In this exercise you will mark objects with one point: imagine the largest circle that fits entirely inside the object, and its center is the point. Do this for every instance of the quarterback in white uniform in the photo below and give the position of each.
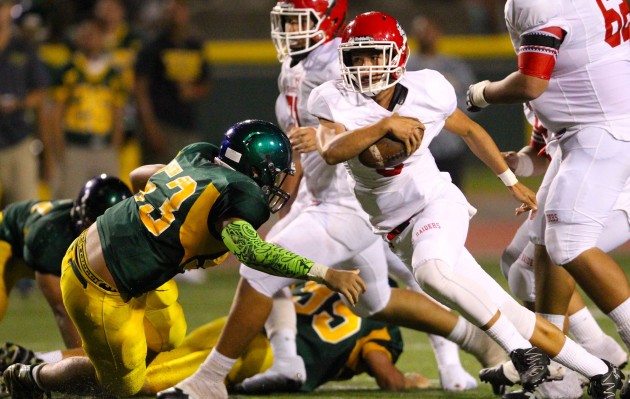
(574, 69)
(327, 222)
(423, 215)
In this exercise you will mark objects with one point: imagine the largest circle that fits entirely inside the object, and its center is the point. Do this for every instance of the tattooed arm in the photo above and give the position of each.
(243, 241)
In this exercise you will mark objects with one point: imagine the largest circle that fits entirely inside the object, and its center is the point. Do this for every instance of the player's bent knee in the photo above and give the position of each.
(433, 277)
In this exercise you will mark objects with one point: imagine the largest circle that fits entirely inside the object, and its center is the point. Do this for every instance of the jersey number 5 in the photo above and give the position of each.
(185, 186)
(617, 21)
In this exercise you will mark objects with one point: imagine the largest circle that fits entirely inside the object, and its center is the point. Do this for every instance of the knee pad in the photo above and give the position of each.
(522, 282)
(438, 279)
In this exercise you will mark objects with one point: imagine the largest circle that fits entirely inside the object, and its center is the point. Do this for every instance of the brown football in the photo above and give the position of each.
(385, 153)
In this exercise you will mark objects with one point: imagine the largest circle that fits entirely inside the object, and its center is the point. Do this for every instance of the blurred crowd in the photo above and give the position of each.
(90, 87)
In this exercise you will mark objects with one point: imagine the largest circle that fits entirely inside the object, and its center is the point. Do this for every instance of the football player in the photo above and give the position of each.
(423, 216)
(517, 266)
(328, 226)
(573, 69)
(334, 343)
(34, 236)
(191, 213)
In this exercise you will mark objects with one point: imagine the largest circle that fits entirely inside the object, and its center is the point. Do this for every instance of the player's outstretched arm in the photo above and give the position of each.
(388, 376)
(243, 241)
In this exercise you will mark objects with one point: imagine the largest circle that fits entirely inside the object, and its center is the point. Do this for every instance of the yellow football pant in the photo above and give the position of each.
(169, 368)
(11, 270)
(117, 334)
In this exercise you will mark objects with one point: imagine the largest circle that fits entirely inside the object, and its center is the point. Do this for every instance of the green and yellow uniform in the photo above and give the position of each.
(172, 225)
(90, 99)
(34, 236)
(330, 338)
(333, 341)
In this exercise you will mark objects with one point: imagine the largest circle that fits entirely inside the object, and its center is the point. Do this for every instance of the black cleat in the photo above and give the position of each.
(625, 390)
(20, 383)
(531, 364)
(520, 394)
(495, 376)
(11, 353)
(605, 386)
(172, 393)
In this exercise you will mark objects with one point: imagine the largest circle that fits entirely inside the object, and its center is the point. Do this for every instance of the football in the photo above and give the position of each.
(385, 153)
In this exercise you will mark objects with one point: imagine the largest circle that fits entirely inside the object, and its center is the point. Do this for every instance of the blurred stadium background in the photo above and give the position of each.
(245, 70)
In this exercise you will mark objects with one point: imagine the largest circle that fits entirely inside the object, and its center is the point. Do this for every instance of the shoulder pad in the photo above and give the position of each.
(525, 15)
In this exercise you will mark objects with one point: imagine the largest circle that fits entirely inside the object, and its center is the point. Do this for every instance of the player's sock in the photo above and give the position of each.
(283, 344)
(555, 319)
(50, 357)
(574, 356)
(583, 327)
(209, 376)
(621, 317)
(506, 335)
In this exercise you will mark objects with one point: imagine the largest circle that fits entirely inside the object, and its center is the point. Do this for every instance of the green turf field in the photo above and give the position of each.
(29, 322)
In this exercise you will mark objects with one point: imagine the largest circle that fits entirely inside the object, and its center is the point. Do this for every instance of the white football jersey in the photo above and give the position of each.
(326, 185)
(590, 83)
(391, 196)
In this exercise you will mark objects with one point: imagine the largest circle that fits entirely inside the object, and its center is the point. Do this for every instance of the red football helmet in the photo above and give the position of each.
(381, 35)
(316, 22)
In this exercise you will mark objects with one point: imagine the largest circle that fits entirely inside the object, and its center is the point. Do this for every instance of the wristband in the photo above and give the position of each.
(508, 178)
(525, 166)
(317, 272)
(476, 94)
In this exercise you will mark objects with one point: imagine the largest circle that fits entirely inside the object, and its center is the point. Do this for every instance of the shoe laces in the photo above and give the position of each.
(529, 359)
(605, 385)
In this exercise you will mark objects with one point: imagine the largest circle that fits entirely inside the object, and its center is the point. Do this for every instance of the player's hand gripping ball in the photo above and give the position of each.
(385, 153)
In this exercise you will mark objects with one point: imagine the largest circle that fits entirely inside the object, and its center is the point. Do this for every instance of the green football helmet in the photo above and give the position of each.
(98, 194)
(260, 150)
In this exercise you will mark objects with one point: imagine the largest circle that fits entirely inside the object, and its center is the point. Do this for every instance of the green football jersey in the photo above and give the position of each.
(39, 232)
(173, 224)
(331, 338)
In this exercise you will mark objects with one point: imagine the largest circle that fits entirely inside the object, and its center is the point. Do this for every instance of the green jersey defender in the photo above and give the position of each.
(40, 232)
(173, 224)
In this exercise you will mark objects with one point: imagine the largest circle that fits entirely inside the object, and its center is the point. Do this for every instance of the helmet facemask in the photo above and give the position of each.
(371, 79)
(308, 30)
(270, 182)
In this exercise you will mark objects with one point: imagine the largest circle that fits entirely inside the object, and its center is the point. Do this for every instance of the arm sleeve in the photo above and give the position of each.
(245, 243)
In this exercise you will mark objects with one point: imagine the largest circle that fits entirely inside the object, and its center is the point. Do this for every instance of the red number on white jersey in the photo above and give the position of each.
(617, 21)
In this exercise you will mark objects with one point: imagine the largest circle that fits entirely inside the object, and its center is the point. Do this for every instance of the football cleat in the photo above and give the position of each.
(605, 386)
(21, 384)
(531, 364)
(498, 378)
(286, 375)
(520, 394)
(625, 390)
(209, 390)
(11, 353)
(172, 393)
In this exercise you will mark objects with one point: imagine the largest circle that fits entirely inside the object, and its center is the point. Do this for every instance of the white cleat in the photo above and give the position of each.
(285, 375)
(454, 378)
